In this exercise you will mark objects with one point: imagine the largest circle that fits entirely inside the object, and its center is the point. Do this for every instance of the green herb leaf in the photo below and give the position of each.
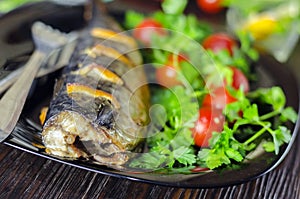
(273, 96)
(289, 114)
(269, 146)
(246, 41)
(251, 113)
(280, 136)
(174, 6)
(185, 156)
(188, 25)
(233, 154)
(132, 19)
(151, 160)
(224, 148)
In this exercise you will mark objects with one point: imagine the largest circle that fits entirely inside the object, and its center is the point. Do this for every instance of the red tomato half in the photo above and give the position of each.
(146, 29)
(218, 98)
(210, 6)
(239, 80)
(210, 120)
(219, 41)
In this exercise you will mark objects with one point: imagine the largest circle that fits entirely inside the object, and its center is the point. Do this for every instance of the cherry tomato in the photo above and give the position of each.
(145, 30)
(210, 6)
(167, 75)
(218, 98)
(239, 79)
(219, 41)
(210, 120)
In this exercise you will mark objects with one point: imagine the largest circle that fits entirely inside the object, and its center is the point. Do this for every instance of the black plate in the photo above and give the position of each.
(15, 38)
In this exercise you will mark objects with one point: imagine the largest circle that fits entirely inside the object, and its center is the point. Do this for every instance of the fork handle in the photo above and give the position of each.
(12, 102)
(6, 82)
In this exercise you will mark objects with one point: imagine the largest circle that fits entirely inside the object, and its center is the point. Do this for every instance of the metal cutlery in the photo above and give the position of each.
(59, 60)
(47, 40)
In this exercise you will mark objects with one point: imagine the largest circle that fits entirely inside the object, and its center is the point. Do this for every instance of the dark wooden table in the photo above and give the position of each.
(23, 175)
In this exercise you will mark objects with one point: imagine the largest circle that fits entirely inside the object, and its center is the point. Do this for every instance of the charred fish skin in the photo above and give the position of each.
(97, 112)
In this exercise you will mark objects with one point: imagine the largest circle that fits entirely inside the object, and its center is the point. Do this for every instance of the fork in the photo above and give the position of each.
(56, 61)
(46, 40)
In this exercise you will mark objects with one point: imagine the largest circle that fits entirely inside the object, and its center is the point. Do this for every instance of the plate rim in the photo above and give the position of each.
(278, 161)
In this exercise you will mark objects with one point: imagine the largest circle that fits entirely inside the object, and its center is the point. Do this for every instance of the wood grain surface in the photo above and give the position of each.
(23, 175)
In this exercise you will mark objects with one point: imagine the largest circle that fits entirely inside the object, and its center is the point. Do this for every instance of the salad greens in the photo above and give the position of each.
(256, 118)
(171, 145)
(170, 7)
(188, 25)
(171, 141)
(225, 148)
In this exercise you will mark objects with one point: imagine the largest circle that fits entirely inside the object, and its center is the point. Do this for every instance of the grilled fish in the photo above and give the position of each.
(99, 106)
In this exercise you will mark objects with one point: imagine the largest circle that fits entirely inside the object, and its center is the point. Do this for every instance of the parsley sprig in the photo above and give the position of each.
(225, 148)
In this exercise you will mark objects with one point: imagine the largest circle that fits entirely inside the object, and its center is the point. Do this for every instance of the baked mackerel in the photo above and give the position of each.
(99, 107)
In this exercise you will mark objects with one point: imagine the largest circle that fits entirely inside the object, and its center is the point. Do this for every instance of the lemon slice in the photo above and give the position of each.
(99, 50)
(88, 91)
(113, 36)
(43, 115)
(261, 27)
(99, 72)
